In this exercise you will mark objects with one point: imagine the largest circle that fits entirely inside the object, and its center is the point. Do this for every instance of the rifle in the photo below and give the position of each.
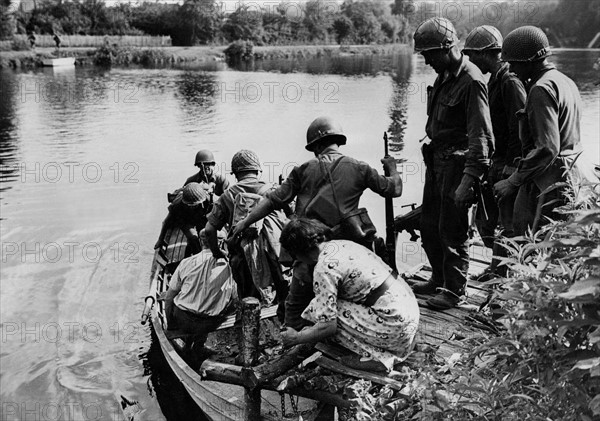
(390, 232)
(409, 222)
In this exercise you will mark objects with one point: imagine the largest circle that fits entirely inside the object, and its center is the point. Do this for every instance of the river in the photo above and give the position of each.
(87, 157)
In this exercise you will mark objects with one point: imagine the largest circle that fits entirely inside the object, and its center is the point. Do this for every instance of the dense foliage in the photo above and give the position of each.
(538, 354)
(568, 23)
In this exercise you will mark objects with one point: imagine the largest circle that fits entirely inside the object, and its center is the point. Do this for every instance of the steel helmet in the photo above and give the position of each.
(245, 160)
(482, 38)
(194, 194)
(204, 156)
(321, 128)
(527, 43)
(433, 34)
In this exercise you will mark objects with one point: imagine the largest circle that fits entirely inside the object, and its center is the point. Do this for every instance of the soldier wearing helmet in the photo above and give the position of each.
(205, 161)
(549, 129)
(252, 277)
(188, 212)
(308, 184)
(506, 97)
(457, 158)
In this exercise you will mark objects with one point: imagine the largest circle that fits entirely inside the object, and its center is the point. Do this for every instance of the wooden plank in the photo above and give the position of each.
(250, 352)
(265, 313)
(335, 352)
(221, 372)
(332, 365)
(275, 367)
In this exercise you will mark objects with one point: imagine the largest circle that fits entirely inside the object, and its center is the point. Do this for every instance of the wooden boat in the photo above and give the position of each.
(59, 62)
(218, 400)
(221, 388)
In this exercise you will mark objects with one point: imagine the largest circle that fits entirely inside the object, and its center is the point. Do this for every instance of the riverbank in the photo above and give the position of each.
(164, 55)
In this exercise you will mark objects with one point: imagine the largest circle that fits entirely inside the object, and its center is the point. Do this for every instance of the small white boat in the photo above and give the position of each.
(59, 62)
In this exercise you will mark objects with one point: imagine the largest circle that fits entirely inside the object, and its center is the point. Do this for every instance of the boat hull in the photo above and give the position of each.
(59, 62)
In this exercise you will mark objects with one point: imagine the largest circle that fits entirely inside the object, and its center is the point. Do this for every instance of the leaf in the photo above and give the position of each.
(587, 217)
(566, 242)
(555, 186)
(587, 364)
(522, 396)
(594, 336)
(582, 290)
(595, 405)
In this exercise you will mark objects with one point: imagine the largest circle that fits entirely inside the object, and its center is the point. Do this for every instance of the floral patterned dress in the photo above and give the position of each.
(343, 277)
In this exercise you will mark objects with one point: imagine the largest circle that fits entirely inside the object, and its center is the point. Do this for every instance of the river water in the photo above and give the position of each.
(87, 157)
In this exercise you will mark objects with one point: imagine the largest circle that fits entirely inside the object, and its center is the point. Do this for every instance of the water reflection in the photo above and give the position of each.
(9, 148)
(399, 106)
(175, 403)
(197, 90)
(345, 64)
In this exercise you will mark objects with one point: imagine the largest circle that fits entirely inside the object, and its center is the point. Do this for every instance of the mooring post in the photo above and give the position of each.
(250, 352)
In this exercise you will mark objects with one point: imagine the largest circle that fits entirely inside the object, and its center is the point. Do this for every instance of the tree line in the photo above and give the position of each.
(194, 22)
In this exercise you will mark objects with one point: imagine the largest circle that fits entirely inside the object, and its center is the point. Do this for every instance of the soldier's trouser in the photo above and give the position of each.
(299, 296)
(444, 227)
(487, 227)
(532, 210)
(499, 215)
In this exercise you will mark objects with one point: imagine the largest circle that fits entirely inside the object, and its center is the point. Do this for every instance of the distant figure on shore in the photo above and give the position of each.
(31, 38)
(57, 40)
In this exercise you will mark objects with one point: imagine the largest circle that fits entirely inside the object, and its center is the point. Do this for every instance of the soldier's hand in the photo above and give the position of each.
(237, 229)
(503, 189)
(389, 164)
(464, 196)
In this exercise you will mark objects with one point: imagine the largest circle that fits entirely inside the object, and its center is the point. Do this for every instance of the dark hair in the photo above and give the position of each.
(302, 234)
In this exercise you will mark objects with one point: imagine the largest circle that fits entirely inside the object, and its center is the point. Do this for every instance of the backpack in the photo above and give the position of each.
(243, 204)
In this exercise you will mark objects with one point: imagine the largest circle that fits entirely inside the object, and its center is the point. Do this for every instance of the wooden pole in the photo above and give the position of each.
(275, 367)
(390, 232)
(250, 352)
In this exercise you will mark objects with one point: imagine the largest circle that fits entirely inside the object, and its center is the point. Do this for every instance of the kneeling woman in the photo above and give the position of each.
(359, 302)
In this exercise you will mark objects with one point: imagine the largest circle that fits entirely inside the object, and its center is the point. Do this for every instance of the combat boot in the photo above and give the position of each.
(426, 288)
(443, 301)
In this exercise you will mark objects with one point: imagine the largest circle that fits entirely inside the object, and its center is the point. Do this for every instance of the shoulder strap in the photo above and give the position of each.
(323, 180)
(329, 170)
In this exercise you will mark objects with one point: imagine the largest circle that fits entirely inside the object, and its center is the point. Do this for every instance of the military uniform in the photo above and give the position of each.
(460, 130)
(218, 182)
(551, 129)
(506, 97)
(351, 178)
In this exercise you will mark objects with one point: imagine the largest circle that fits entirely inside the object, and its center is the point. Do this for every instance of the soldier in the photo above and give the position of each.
(205, 161)
(506, 97)
(457, 158)
(188, 212)
(549, 131)
(325, 187)
(255, 259)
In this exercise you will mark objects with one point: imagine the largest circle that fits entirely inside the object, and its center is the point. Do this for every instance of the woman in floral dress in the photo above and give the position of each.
(359, 301)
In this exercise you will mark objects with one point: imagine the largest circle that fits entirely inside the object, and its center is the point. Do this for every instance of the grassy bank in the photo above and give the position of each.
(165, 55)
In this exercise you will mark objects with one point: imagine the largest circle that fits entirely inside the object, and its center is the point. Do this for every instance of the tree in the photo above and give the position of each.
(317, 20)
(343, 28)
(244, 24)
(199, 21)
(7, 24)
(367, 28)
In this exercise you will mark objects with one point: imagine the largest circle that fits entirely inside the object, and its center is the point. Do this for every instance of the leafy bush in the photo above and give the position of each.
(239, 51)
(18, 44)
(545, 364)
